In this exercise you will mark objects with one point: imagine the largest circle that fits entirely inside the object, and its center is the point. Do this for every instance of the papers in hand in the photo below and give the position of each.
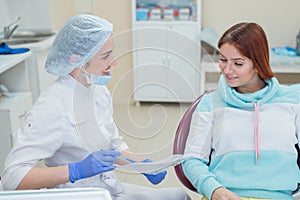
(153, 167)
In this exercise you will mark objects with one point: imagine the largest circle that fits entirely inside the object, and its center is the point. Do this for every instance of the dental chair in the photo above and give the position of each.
(180, 141)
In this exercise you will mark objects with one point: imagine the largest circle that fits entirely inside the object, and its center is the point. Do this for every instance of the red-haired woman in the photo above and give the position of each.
(246, 129)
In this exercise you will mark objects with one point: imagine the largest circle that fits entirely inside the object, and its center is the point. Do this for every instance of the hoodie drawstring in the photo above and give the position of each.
(256, 136)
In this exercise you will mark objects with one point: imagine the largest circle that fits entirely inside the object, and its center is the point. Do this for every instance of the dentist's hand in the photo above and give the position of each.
(95, 163)
(155, 178)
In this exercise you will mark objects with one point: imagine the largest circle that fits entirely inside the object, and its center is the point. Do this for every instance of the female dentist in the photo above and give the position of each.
(71, 125)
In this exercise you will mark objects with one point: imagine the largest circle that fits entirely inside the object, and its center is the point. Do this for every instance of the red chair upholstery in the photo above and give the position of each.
(180, 140)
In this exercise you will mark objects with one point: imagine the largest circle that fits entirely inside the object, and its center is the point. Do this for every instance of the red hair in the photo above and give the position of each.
(251, 41)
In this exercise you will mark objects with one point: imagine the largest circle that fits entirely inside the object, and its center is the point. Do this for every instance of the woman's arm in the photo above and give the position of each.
(43, 177)
(95, 163)
(223, 193)
(130, 155)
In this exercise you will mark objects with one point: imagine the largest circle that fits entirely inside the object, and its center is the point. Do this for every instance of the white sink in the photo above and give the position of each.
(25, 37)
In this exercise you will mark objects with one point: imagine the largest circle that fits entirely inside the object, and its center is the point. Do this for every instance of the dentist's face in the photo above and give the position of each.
(101, 63)
(238, 70)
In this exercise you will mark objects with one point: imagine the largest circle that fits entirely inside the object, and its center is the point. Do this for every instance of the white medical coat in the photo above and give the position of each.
(67, 122)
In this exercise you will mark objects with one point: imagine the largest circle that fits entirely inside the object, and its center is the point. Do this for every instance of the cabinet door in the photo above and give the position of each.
(12, 112)
(149, 64)
(166, 62)
(5, 141)
(39, 78)
(45, 78)
(183, 77)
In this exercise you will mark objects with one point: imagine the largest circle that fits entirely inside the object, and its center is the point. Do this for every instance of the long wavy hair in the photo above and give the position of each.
(251, 41)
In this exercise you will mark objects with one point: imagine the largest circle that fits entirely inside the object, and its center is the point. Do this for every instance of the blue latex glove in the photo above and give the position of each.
(155, 178)
(95, 163)
(5, 49)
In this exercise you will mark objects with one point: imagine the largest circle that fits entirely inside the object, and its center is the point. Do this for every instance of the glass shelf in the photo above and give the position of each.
(166, 10)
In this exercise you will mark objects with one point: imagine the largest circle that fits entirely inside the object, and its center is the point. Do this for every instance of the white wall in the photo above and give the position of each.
(35, 14)
(279, 18)
(4, 14)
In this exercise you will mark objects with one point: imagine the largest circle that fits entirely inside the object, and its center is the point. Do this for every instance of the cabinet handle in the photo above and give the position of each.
(23, 114)
(11, 140)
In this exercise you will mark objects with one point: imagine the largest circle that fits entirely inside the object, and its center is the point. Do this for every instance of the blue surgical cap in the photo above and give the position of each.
(76, 43)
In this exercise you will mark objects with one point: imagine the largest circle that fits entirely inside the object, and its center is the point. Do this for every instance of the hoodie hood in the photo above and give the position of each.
(240, 100)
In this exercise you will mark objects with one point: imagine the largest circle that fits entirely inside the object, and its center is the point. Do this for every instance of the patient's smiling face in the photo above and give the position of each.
(238, 70)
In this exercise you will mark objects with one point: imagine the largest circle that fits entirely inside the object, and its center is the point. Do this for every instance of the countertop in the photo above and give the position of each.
(10, 60)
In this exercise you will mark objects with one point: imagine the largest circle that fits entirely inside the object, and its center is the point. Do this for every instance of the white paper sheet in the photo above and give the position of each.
(153, 167)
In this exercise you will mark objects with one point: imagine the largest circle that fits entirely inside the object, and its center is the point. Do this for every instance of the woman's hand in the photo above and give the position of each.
(95, 163)
(222, 193)
(154, 178)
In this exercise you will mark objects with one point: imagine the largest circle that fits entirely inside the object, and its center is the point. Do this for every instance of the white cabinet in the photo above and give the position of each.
(14, 75)
(166, 52)
(12, 112)
(39, 78)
